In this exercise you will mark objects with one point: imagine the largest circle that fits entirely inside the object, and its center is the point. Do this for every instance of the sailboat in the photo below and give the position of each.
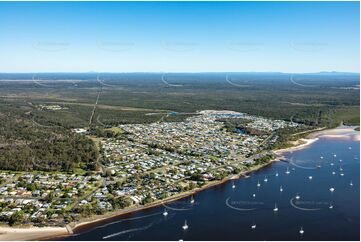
(287, 171)
(331, 206)
(276, 208)
(310, 177)
(281, 189)
(258, 184)
(185, 226)
(332, 189)
(233, 186)
(276, 173)
(351, 184)
(253, 195)
(297, 196)
(334, 155)
(341, 168)
(333, 173)
(253, 226)
(341, 174)
(349, 147)
(331, 163)
(302, 231)
(265, 179)
(321, 157)
(192, 200)
(165, 213)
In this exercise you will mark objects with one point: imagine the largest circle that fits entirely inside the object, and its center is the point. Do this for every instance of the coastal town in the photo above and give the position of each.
(140, 165)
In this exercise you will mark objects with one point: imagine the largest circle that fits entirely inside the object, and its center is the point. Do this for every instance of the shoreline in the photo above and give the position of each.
(341, 131)
(297, 145)
(115, 214)
(31, 233)
(44, 233)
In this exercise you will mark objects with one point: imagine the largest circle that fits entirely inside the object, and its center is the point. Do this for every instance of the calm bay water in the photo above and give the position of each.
(226, 213)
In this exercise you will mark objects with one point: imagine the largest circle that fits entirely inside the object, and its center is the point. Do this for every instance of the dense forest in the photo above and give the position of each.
(25, 146)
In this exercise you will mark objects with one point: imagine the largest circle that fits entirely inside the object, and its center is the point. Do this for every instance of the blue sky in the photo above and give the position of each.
(179, 36)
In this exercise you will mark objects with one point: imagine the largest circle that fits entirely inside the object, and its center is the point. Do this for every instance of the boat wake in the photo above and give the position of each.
(302, 167)
(128, 231)
(130, 219)
(120, 221)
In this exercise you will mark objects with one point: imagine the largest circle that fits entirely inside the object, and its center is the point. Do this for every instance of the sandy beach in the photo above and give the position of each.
(31, 233)
(112, 215)
(297, 145)
(43, 233)
(341, 132)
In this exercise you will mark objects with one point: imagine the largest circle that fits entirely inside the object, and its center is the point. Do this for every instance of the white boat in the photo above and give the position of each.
(258, 184)
(192, 200)
(331, 206)
(297, 196)
(302, 231)
(341, 174)
(185, 226)
(333, 173)
(287, 171)
(310, 177)
(253, 195)
(341, 168)
(331, 164)
(281, 189)
(334, 155)
(276, 208)
(350, 148)
(233, 186)
(351, 184)
(253, 226)
(321, 157)
(165, 213)
(276, 173)
(332, 189)
(340, 160)
(265, 179)
(318, 166)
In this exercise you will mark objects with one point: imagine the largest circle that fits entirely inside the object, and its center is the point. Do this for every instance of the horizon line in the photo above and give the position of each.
(177, 72)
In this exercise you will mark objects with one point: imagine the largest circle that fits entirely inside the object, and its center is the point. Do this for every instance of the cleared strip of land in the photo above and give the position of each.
(111, 107)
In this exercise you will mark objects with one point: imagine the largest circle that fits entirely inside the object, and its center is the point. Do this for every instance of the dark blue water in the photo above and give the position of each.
(220, 213)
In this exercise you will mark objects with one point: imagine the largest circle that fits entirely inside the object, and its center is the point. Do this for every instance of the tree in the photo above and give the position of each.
(17, 218)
